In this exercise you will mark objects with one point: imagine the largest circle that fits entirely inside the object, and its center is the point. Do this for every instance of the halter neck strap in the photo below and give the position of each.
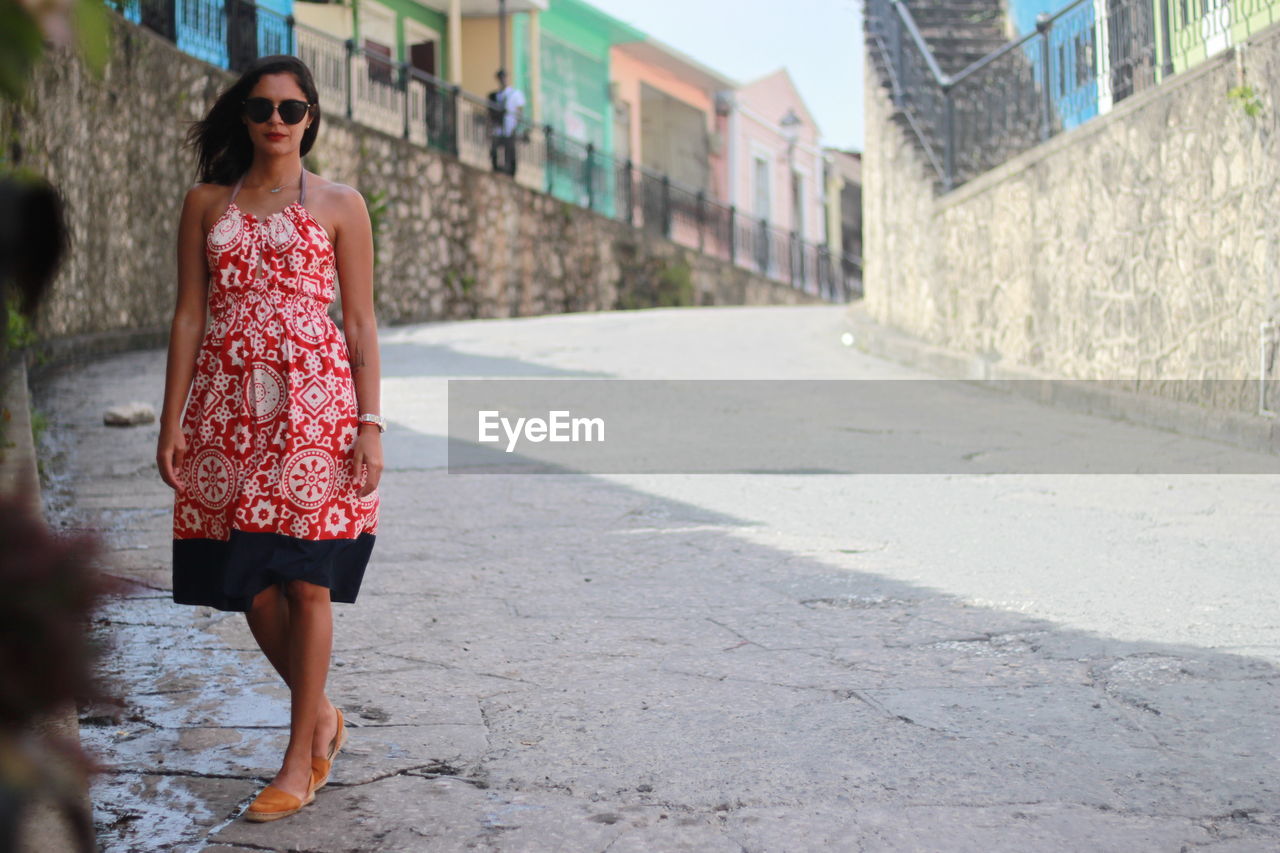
(235, 192)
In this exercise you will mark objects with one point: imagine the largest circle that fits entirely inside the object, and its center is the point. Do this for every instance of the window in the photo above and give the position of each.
(377, 31)
(797, 203)
(673, 138)
(621, 129)
(420, 45)
(379, 68)
(760, 186)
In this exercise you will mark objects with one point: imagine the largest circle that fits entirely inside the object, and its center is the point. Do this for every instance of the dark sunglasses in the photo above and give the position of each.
(259, 110)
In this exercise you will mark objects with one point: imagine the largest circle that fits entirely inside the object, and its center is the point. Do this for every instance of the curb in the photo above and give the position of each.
(1247, 431)
(18, 460)
(78, 349)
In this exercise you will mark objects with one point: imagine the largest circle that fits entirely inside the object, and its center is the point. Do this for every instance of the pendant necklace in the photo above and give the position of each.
(282, 186)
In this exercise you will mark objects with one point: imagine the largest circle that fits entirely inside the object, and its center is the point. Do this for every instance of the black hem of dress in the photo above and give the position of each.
(227, 575)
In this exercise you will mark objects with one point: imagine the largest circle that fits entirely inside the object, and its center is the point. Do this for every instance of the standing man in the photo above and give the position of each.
(506, 111)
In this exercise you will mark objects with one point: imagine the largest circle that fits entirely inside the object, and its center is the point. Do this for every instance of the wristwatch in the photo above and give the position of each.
(377, 420)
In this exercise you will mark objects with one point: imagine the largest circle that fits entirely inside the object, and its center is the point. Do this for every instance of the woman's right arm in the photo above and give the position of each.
(184, 334)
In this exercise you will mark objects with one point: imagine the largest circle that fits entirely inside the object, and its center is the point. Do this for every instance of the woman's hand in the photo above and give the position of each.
(367, 461)
(171, 451)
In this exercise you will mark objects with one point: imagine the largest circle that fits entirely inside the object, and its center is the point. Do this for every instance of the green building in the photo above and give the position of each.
(403, 31)
(1199, 29)
(570, 43)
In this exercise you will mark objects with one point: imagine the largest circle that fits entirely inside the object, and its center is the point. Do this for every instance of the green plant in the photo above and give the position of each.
(378, 206)
(39, 425)
(465, 296)
(1246, 97)
(462, 286)
(675, 285)
(655, 284)
(19, 333)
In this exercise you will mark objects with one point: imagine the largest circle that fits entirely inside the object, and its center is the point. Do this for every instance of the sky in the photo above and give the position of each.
(818, 41)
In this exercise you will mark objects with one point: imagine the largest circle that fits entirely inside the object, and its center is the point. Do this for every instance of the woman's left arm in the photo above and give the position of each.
(353, 245)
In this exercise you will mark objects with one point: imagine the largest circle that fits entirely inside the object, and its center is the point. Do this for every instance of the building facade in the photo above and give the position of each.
(775, 164)
(844, 201)
(664, 114)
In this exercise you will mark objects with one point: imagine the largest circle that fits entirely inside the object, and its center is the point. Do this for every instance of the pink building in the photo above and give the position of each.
(699, 144)
(774, 157)
(664, 112)
(665, 123)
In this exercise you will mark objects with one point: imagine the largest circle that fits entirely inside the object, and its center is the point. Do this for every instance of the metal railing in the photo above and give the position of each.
(399, 99)
(1076, 65)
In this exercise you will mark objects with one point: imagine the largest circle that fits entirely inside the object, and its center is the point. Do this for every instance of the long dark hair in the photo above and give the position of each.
(223, 149)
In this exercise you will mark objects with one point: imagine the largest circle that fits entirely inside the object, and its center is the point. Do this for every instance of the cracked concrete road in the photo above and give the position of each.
(704, 663)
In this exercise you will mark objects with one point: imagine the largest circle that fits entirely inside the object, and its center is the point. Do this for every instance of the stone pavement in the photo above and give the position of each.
(679, 663)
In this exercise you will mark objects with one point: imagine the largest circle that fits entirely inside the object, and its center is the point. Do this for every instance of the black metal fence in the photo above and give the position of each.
(1076, 65)
(399, 99)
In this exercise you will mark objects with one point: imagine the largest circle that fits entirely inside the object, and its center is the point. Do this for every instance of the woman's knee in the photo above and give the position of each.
(266, 601)
(303, 592)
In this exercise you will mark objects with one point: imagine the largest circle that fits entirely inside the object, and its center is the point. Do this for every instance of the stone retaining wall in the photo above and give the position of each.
(1141, 246)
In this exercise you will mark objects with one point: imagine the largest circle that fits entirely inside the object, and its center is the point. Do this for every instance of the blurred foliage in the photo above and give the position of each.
(33, 241)
(47, 660)
(28, 27)
(51, 588)
(51, 584)
(33, 234)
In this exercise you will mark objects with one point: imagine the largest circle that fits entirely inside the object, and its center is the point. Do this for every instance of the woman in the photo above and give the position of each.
(276, 458)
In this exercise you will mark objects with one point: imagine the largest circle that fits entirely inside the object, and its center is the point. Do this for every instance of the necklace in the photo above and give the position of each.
(282, 186)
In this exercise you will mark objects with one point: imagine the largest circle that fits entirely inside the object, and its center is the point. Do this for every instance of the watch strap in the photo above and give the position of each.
(377, 420)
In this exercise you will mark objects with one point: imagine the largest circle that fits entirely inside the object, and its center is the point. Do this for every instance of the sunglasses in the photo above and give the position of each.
(259, 110)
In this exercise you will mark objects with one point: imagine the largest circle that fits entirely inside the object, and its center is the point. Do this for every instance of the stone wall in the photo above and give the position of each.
(1140, 246)
(454, 242)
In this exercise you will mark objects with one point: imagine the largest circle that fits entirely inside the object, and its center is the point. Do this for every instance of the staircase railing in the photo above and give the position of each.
(1076, 65)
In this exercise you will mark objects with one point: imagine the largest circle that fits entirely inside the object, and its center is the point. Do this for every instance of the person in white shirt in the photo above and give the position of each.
(506, 111)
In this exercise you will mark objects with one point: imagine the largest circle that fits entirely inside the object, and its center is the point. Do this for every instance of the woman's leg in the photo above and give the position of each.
(310, 636)
(268, 619)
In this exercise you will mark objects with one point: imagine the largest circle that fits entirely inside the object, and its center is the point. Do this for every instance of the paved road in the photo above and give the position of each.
(704, 663)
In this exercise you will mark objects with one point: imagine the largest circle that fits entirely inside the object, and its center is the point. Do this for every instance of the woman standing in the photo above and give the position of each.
(277, 454)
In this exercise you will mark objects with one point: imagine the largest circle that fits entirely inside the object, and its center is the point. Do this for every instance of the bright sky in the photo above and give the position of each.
(818, 41)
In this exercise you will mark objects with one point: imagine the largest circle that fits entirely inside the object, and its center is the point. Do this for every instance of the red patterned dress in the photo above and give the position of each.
(270, 423)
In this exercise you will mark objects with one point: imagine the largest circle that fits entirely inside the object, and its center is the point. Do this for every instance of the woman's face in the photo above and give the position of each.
(273, 136)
